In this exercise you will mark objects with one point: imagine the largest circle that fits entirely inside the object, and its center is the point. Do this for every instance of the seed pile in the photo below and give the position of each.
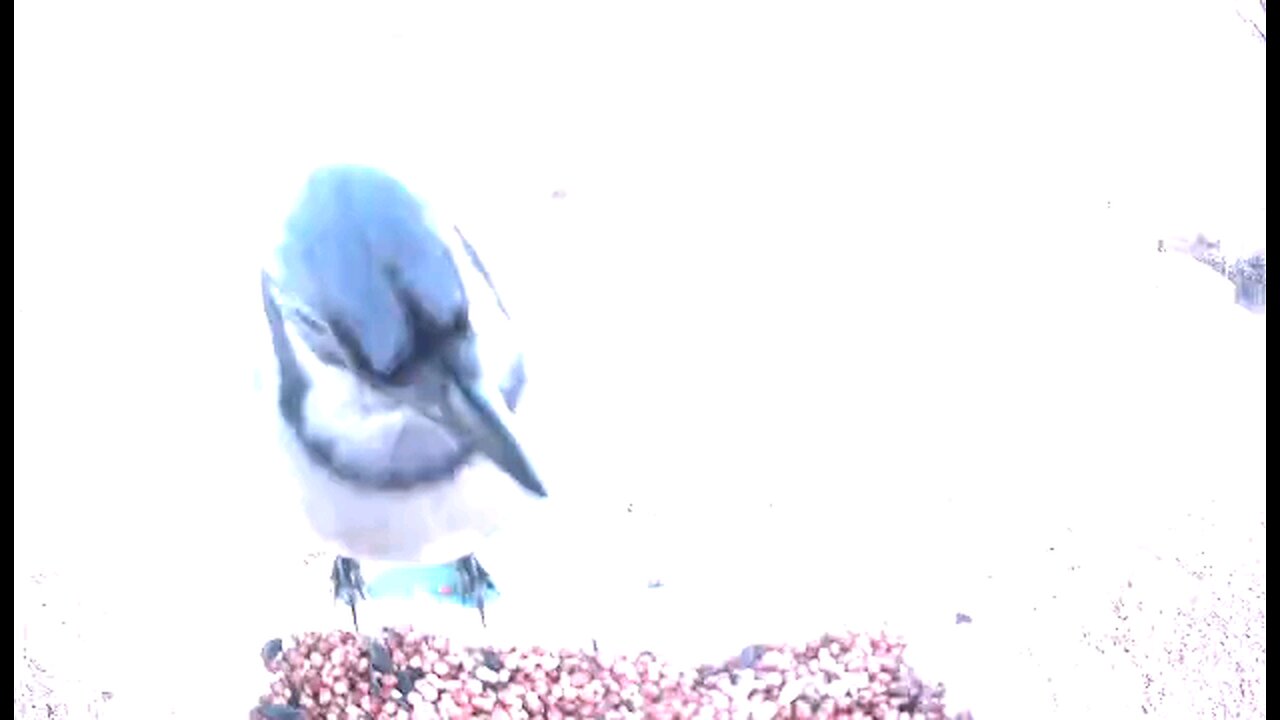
(410, 676)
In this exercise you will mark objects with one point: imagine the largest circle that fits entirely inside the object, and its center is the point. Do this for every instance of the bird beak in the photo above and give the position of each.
(493, 427)
(484, 416)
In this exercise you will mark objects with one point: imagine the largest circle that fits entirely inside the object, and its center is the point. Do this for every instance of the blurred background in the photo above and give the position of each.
(885, 267)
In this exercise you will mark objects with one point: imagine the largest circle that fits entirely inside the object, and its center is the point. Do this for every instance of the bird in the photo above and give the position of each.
(398, 376)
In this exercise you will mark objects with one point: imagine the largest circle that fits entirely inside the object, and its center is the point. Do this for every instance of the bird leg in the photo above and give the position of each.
(475, 583)
(348, 585)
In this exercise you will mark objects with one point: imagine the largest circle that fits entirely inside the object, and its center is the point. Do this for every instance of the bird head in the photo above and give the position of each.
(379, 316)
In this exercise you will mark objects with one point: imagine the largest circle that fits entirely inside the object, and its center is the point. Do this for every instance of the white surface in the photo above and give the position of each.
(781, 274)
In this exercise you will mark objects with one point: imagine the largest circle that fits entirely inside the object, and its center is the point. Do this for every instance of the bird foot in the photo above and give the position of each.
(475, 582)
(348, 585)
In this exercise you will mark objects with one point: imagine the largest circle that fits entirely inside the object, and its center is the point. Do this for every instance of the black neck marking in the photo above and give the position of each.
(294, 386)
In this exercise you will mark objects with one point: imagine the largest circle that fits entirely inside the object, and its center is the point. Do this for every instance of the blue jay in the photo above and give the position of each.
(398, 379)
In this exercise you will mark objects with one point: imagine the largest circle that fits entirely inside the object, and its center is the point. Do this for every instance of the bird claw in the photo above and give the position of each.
(348, 585)
(475, 582)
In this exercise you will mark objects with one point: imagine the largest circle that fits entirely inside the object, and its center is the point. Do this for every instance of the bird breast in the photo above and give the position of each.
(433, 522)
